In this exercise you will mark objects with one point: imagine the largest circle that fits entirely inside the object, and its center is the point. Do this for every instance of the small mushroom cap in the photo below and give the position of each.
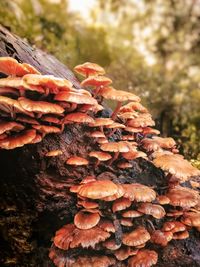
(73, 97)
(123, 253)
(134, 154)
(143, 120)
(161, 238)
(120, 193)
(78, 117)
(40, 106)
(88, 238)
(149, 130)
(102, 140)
(154, 210)
(10, 126)
(31, 69)
(37, 139)
(45, 129)
(106, 225)
(128, 137)
(64, 236)
(18, 140)
(191, 219)
(98, 189)
(96, 81)
(144, 257)
(158, 142)
(116, 125)
(176, 165)
(26, 119)
(83, 220)
(88, 204)
(126, 222)
(89, 68)
(139, 192)
(101, 122)
(163, 200)
(124, 165)
(49, 81)
(78, 161)
(174, 213)
(97, 134)
(118, 95)
(54, 153)
(121, 204)
(9, 92)
(88, 179)
(93, 261)
(180, 236)
(120, 146)
(50, 119)
(133, 129)
(173, 226)
(137, 237)
(111, 244)
(131, 214)
(133, 106)
(182, 197)
(102, 156)
(128, 115)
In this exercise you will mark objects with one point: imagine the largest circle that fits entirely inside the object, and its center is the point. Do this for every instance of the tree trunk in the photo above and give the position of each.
(34, 193)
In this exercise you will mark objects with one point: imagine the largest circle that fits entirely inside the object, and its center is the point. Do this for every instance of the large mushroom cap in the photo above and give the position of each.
(137, 237)
(89, 68)
(64, 236)
(40, 106)
(96, 81)
(139, 192)
(154, 210)
(98, 189)
(83, 220)
(176, 165)
(173, 226)
(118, 95)
(18, 140)
(144, 258)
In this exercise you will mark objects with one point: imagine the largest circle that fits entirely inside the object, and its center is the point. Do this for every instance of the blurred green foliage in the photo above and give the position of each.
(149, 47)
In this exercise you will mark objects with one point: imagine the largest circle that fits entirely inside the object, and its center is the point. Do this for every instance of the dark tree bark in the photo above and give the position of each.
(34, 191)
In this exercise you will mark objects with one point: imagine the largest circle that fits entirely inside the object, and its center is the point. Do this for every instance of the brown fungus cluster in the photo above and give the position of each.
(115, 224)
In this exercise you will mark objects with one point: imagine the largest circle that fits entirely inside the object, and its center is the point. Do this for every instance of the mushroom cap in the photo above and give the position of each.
(158, 142)
(37, 139)
(31, 69)
(64, 236)
(11, 66)
(97, 134)
(120, 193)
(121, 204)
(191, 219)
(173, 226)
(131, 214)
(174, 213)
(137, 237)
(78, 161)
(40, 106)
(54, 153)
(154, 210)
(118, 95)
(161, 238)
(9, 92)
(128, 115)
(134, 154)
(133, 129)
(133, 106)
(107, 225)
(101, 122)
(139, 192)
(78, 117)
(88, 204)
(111, 244)
(10, 105)
(182, 197)
(51, 119)
(123, 253)
(102, 140)
(163, 200)
(75, 97)
(128, 137)
(10, 126)
(88, 238)
(176, 165)
(93, 261)
(121, 146)
(181, 235)
(96, 81)
(116, 125)
(83, 220)
(149, 130)
(89, 68)
(18, 140)
(26, 119)
(45, 129)
(93, 108)
(143, 120)
(102, 156)
(98, 189)
(52, 83)
(144, 257)
(126, 222)
(124, 165)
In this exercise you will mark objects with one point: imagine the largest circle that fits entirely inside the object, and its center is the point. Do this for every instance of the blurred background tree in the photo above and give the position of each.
(149, 47)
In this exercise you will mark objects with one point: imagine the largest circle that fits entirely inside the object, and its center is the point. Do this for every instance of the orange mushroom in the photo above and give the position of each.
(137, 237)
(89, 69)
(100, 156)
(10, 126)
(84, 220)
(154, 210)
(121, 204)
(139, 192)
(161, 238)
(144, 257)
(54, 153)
(77, 161)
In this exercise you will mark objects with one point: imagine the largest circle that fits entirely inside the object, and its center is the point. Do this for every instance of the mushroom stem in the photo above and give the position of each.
(72, 107)
(114, 114)
(114, 158)
(97, 163)
(112, 132)
(97, 91)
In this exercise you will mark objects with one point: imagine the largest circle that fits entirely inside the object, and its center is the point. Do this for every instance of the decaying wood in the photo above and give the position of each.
(34, 191)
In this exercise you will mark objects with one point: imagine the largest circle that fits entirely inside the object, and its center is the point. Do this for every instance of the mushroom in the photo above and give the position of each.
(133, 106)
(173, 227)
(119, 96)
(161, 238)
(126, 222)
(111, 244)
(64, 236)
(77, 117)
(163, 200)
(176, 165)
(19, 140)
(10, 126)
(100, 156)
(158, 142)
(180, 236)
(121, 204)
(154, 210)
(77, 161)
(89, 69)
(97, 82)
(191, 218)
(139, 192)
(45, 129)
(123, 253)
(143, 120)
(131, 214)
(101, 122)
(144, 257)
(54, 153)
(137, 237)
(107, 225)
(87, 204)
(93, 261)
(124, 165)
(84, 220)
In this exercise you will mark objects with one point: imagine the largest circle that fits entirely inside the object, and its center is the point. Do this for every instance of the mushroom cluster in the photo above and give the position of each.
(116, 224)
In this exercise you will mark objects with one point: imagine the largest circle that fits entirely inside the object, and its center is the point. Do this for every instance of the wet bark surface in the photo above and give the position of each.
(34, 191)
